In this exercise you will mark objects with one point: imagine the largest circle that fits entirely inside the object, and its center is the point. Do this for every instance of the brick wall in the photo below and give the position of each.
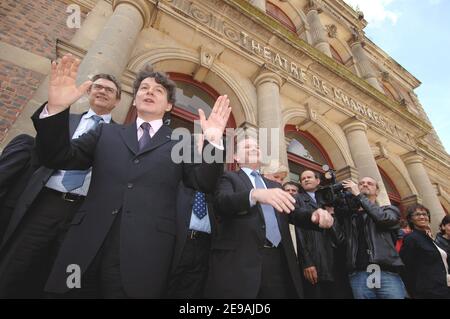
(32, 25)
(17, 86)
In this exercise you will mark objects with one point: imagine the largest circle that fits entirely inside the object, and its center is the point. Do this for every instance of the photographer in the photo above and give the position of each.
(316, 248)
(370, 231)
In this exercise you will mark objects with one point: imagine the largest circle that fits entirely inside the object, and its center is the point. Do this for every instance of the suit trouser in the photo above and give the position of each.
(28, 256)
(189, 277)
(276, 281)
(102, 279)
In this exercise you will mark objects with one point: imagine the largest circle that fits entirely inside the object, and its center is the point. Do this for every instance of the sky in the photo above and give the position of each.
(416, 34)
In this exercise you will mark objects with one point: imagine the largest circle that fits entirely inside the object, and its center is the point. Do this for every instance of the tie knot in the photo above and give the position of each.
(96, 119)
(254, 173)
(146, 127)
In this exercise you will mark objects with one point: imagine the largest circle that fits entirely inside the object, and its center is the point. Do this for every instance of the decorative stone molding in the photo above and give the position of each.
(331, 30)
(353, 124)
(314, 5)
(144, 7)
(348, 172)
(310, 119)
(208, 54)
(267, 76)
(412, 158)
(410, 200)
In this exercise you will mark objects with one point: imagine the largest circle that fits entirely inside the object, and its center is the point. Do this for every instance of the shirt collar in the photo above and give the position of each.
(156, 124)
(106, 117)
(248, 171)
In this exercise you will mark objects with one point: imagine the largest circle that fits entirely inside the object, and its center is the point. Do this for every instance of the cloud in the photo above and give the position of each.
(376, 12)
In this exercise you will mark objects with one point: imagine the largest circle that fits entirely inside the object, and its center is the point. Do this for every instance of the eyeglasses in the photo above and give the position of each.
(99, 87)
(420, 214)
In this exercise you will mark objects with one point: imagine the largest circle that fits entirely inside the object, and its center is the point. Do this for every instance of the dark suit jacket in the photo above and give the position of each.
(236, 258)
(140, 185)
(316, 248)
(33, 185)
(16, 167)
(424, 274)
(185, 200)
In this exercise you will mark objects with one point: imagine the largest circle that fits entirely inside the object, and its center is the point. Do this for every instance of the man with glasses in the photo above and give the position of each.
(370, 233)
(48, 203)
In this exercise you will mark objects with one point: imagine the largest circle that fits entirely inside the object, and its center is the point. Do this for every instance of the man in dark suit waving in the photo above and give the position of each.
(252, 254)
(122, 238)
(49, 199)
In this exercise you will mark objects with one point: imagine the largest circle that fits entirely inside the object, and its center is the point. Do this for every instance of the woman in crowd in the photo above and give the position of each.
(426, 265)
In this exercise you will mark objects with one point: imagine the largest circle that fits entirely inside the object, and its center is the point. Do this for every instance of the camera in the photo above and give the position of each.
(333, 194)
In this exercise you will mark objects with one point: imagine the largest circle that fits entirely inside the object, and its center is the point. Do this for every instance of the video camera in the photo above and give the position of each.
(333, 194)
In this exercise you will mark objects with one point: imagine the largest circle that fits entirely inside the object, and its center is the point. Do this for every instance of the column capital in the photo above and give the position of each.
(267, 76)
(353, 124)
(412, 158)
(315, 5)
(144, 8)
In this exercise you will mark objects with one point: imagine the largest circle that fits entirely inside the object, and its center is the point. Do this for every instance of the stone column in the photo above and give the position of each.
(269, 114)
(366, 165)
(92, 25)
(316, 29)
(112, 48)
(362, 60)
(420, 178)
(260, 4)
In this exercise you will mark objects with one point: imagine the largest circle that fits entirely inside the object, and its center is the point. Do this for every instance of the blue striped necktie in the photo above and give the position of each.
(75, 179)
(272, 230)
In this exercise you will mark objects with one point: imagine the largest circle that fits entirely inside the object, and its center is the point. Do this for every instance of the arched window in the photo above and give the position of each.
(304, 152)
(278, 14)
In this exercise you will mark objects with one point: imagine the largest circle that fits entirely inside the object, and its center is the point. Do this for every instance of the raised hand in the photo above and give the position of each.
(62, 89)
(275, 197)
(214, 126)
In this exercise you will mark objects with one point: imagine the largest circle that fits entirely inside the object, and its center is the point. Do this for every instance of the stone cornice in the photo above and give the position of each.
(276, 28)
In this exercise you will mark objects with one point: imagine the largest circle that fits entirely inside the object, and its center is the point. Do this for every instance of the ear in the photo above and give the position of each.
(134, 102)
(169, 107)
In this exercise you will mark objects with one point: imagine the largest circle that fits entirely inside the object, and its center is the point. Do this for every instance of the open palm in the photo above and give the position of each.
(214, 126)
(62, 89)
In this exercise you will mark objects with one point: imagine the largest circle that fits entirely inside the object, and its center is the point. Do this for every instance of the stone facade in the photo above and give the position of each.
(326, 79)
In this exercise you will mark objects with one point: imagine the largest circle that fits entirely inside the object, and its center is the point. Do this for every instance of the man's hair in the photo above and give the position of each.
(410, 211)
(445, 221)
(292, 184)
(160, 78)
(111, 78)
(316, 174)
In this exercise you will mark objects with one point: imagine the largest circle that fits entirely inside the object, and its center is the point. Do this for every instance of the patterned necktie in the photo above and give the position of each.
(272, 231)
(145, 138)
(75, 179)
(199, 206)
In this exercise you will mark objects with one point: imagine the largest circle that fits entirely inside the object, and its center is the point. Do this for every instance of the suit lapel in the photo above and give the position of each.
(244, 177)
(161, 137)
(74, 121)
(129, 136)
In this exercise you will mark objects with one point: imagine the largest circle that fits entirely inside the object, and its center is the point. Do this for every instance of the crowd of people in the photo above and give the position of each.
(94, 209)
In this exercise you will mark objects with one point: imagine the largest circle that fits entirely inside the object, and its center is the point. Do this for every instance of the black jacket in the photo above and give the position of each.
(317, 247)
(381, 225)
(139, 184)
(17, 163)
(443, 243)
(236, 250)
(424, 273)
